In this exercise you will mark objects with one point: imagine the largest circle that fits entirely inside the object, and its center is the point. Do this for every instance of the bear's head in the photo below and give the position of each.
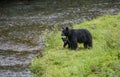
(65, 31)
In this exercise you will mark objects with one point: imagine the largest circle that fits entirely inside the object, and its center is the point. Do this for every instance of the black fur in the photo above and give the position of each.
(66, 42)
(78, 36)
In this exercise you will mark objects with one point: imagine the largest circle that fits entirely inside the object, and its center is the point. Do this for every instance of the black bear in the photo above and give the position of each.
(78, 36)
(66, 42)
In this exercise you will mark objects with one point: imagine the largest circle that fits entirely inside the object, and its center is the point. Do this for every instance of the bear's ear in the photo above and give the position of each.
(67, 28)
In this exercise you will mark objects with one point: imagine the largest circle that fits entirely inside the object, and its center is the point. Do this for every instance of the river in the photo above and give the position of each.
(22, 24)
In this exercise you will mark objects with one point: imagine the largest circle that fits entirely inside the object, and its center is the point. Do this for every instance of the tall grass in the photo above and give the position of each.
(103, 60)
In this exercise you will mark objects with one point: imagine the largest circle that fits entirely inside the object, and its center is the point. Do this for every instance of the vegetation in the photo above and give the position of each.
(103, 60)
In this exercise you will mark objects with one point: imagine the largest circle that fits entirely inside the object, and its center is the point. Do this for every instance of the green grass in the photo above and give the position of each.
(103, 60)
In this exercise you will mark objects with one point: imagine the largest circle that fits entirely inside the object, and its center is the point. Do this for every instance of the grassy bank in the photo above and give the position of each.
(103, 60)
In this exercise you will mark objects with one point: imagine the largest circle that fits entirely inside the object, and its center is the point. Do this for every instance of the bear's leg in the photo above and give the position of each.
(73, 45)
(89, 45)
(69, 45)
(64, 45)
(85, 45)
(68, 42)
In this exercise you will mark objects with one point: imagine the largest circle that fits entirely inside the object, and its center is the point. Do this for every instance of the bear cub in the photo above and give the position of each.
(66, 42)
(77, 36)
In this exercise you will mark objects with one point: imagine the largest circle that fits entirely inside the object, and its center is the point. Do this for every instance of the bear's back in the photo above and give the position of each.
(83, 35)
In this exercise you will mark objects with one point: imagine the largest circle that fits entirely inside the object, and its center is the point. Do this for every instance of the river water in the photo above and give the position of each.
(22, 24)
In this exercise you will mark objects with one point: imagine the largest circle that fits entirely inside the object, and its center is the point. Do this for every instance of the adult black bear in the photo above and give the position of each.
(78, 36)
(66, 42)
